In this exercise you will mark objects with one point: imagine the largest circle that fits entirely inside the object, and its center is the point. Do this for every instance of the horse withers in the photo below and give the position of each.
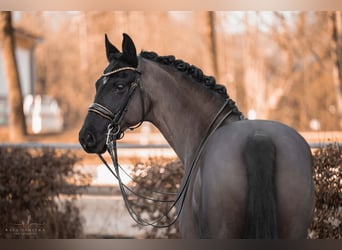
(243, 178)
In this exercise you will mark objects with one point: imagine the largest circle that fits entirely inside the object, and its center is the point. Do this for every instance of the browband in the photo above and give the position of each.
(119, 70)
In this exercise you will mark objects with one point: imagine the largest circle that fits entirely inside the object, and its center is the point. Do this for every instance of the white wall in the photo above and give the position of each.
(24, 67)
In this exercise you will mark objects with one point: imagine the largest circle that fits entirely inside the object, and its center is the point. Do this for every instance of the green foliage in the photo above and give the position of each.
(31, 181)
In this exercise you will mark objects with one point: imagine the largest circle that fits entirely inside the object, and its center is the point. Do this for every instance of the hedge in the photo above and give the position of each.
(31, 182)
(327, 222)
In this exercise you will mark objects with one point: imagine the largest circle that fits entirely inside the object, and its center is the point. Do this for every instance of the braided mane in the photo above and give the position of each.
(190, 70)
(193, 72)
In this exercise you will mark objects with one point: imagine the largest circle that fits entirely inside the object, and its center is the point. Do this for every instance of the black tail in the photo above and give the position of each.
(259, 156)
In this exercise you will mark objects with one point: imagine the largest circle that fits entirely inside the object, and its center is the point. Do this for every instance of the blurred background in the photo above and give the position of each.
(284, 66)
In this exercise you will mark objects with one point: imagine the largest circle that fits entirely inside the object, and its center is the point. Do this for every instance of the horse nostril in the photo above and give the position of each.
(89, 140)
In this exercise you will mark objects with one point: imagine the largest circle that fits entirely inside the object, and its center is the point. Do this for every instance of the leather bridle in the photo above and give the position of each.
(116, 118)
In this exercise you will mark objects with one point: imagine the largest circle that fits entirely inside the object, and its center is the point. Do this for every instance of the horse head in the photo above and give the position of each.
(117, 105)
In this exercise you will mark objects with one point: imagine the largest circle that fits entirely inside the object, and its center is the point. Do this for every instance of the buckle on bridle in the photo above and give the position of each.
(113, 135)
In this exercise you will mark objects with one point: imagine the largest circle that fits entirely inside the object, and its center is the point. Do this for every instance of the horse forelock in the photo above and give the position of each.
(190, 70)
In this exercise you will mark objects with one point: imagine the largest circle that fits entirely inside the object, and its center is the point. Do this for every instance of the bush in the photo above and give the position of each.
(165, 174)
(327, 222)
(31, 181)
(162, 175)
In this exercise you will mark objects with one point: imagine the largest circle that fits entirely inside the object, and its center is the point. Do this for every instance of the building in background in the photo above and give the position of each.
(42, 113)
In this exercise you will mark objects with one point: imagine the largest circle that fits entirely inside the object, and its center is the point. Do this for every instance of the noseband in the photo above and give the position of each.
(115, 119)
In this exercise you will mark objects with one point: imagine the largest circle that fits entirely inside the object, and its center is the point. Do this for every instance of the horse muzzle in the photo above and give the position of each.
(90, 142)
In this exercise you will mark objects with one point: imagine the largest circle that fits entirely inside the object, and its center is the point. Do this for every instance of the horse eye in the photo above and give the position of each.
(120, 86)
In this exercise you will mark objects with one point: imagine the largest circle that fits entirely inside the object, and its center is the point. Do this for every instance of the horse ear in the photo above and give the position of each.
(129, 51)
(111, 50)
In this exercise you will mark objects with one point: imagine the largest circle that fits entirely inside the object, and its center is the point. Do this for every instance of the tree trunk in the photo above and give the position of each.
(209, 37)
(212, 41)
(17, 126)
(337, 66)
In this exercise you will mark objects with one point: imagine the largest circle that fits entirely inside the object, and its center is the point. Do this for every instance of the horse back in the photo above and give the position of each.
(224, 181)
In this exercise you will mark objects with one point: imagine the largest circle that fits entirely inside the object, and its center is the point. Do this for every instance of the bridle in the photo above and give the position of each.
(114, 132)
(116, 118)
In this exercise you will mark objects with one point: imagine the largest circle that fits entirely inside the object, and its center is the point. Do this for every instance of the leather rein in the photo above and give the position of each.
(114, 133)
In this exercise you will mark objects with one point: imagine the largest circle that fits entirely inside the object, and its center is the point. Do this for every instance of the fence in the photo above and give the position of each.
(76, 146)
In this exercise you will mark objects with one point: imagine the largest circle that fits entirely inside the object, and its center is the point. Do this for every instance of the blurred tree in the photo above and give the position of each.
(287, 70)
(269, 60)
(311, 95)
(262, 92)
(17, 123)
(336, 20)
(207, 26)
(210, 35)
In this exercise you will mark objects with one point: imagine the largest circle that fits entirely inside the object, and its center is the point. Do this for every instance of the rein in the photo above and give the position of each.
(114, 132)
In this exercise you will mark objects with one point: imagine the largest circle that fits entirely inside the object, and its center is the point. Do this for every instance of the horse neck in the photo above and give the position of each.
(181, 109)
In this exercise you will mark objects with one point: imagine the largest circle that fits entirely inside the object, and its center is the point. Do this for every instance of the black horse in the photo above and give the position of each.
(245, 179)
